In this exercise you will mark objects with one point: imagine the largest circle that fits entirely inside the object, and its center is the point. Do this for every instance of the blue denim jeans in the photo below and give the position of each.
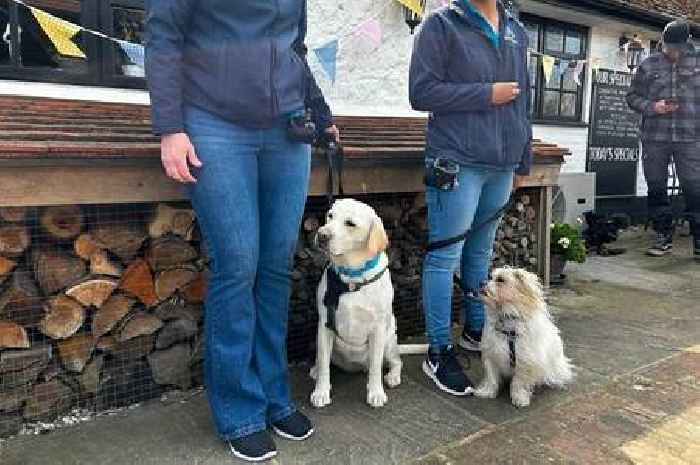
(480, 194)
(249, 199)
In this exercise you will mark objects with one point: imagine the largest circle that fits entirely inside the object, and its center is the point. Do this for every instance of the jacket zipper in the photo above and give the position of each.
(273, 49)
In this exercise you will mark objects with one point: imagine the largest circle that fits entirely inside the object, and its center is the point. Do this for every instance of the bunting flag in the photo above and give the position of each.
(548, 67)
(135, 52)
(577, 71)
(561, 69)
(414, 5)
(372, 30)
(327, 56)
(60, 32)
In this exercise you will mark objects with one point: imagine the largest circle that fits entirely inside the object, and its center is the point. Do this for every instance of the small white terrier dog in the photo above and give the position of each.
(520, 341)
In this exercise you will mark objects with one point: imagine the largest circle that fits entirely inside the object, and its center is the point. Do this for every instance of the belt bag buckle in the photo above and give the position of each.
(442, 174)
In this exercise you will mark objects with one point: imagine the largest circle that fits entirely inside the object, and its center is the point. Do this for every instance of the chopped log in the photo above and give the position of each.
(76, 351)
(169, 252)
(63, 222)
(93, 292)
(55, 269)
(64, 316)
(311, 224)
(123, 239)
(184, 222)
(176, 331)
(196, 291)
(11, 400)
(141, 324)
(86, 246)
(48, 400)
(133, 349)
(169, 281)
(7, 266)
(13, 336)
(13, 361)
(14, 214)
(138, 281)
(14, 240)
(171, 367)
(90, 378)
(106, 344)
(111, 313)
(167, 219)
(20, 302)
(101, 264)
(174, 309)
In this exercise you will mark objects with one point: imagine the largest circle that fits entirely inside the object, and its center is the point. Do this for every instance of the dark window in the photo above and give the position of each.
(27, 53)
(560, 98)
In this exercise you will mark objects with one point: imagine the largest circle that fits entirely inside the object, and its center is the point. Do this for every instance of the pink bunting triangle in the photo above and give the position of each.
(372, 30)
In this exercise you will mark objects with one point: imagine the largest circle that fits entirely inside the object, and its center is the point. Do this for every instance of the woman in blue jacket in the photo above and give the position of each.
(469, 69)
(226, 78)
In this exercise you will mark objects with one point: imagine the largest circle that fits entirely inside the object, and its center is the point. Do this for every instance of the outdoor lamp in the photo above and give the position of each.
(413, 19)
(635, 52)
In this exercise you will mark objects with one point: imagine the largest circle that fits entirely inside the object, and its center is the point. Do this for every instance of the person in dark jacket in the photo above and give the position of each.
(666, 91)
(469, 70)
(225, 79)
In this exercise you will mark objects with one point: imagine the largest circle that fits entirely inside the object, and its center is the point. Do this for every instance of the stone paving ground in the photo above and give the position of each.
(630, 323)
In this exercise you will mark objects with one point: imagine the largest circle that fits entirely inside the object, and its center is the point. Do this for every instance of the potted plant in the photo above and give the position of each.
(567, 245)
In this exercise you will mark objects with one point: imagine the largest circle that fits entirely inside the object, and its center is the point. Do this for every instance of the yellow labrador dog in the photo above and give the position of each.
(357, 327)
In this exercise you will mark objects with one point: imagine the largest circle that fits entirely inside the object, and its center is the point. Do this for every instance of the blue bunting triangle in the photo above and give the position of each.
(327, 56)
(135, 52)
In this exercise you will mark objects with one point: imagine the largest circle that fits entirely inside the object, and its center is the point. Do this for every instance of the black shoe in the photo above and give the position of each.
(446, 372)
(470, 341)
(663, 245)
(256, 447)
(295, 427)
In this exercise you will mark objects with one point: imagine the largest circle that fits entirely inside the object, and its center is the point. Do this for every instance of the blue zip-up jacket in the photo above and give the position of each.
(453, 69)
(243, 60)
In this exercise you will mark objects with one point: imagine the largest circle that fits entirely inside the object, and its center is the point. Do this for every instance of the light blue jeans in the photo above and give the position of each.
(249, 199)
(480, 194)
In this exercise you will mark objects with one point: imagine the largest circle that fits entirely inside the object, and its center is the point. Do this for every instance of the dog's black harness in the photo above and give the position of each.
(505, 327)
(335, 287)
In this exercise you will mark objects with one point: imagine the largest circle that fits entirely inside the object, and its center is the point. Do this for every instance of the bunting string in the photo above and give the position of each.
(62, 35)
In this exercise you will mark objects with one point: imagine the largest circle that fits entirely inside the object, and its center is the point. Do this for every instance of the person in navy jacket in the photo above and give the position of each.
(469, 70)
(226, 79)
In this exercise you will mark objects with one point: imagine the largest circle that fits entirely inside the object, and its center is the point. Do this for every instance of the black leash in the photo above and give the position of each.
(334, 158)
(453, 240)
(335, 287)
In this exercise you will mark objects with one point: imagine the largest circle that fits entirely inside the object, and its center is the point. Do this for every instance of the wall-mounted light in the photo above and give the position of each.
(635, 51)
(413, 19)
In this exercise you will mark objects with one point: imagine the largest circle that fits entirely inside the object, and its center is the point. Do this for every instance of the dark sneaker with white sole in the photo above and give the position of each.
(256, 447)
(470, 341)
(446, 372)
(295, 427)
(663, 245)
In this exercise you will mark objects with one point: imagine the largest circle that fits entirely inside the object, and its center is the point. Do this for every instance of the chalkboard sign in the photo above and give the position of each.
(613, 141)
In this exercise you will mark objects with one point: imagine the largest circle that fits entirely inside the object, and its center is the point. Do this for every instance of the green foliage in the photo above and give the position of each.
(567, 241)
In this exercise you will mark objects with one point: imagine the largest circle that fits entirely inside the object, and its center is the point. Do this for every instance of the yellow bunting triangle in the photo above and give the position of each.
(60, 33)
(414, 5)
(548, 66)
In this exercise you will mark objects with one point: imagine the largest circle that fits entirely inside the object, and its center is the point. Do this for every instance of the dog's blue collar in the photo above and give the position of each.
(357, 272)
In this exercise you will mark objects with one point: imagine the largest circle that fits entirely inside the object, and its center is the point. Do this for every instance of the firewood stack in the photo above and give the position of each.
(101, 306)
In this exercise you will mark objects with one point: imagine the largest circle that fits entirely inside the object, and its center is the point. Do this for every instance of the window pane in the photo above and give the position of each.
(569, 82)
(551, 104)
(533, 66)
(568, 105)
(573, 43)
(4, 33)
(533, 96)
(128, 25)
(554, 39)
(533, 33)
(37, 50)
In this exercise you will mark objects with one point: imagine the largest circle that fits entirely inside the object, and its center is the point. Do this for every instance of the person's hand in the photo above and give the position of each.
(518, 182)
(335, 132)
(664, 107)
(176, 151)
(504, 92)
